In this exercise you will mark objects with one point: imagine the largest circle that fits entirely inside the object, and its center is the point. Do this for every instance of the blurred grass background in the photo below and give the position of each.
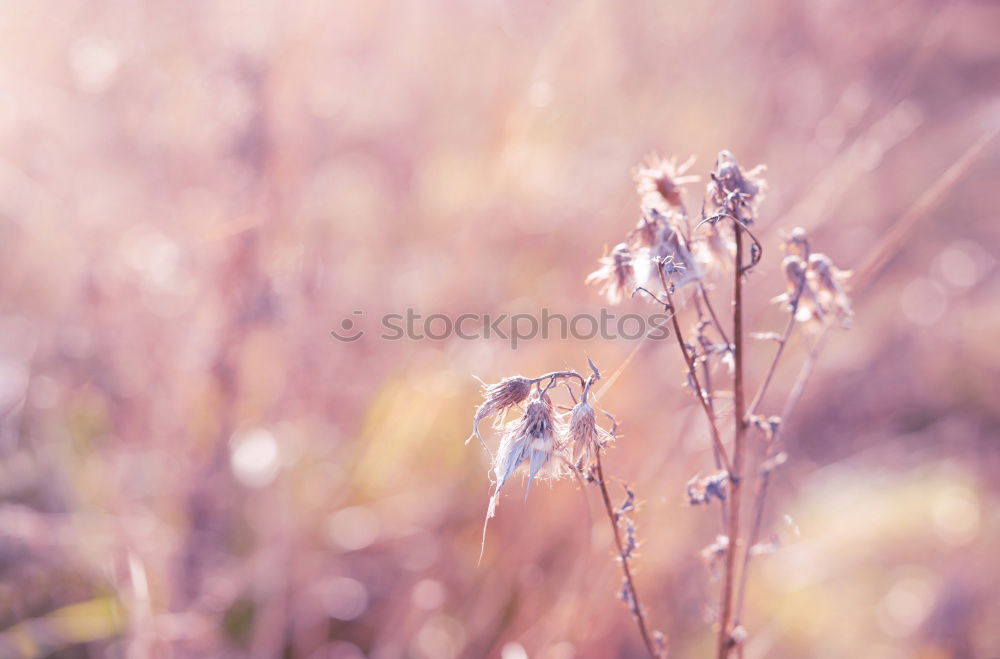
(193, 194)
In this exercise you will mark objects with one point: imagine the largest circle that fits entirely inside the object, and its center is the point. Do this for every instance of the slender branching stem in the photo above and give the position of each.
(733, 531)
(706, 375)
(623, 558)
(556, 375)
(782, 342)
(689, 361)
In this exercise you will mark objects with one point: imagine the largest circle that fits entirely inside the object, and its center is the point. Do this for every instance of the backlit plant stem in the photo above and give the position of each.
(689, 361)
(733, 531)
(637, 612)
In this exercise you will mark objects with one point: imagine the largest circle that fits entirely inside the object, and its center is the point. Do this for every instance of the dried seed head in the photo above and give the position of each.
(615, 275)
(825, 279)
(734, 190)
(667, 251)
(531, 439)
(799, 295)
(582, 434)
(498, 398)
(794, 269)
(658, 182)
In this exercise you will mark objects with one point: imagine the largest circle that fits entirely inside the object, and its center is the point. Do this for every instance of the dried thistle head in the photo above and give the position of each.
(794, 269)
(667, 251)
(658, 182)
(533, 438)
(799, 296)
(497, 399)
(826, 279)
(616, 275)
(583, 435)
(733, 190)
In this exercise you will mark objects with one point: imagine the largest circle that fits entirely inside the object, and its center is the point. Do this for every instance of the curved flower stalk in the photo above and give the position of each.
(548, 445)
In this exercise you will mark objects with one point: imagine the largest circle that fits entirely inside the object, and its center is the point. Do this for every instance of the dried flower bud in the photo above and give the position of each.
(658, 182)
(531, 439)
(498, 398)
(583, 433)
(701, 490)
(825, 278)
(669, 252)
(794, 269)
(799, 295)
(734, 190)
(615, 275)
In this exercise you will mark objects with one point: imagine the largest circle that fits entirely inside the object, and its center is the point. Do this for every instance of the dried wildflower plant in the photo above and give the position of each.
(681, 264)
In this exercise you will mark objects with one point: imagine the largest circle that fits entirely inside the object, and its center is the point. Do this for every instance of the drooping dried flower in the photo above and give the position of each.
(732, 190)
(795, 277)
(498, 398)
(615, 275)
(582, 433)
(799, 295)
(658, 182)
(826, 278)
(669, 252)
(532, 439)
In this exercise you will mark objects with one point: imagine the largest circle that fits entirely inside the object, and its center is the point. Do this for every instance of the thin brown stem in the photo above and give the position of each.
(706, 374)
(733, 532)
(689, 361)
(635, 606)
(782, 342)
